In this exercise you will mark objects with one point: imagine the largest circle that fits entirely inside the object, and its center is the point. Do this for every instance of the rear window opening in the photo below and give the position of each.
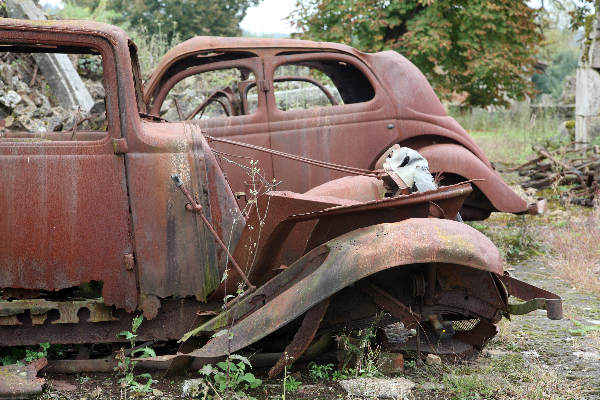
(319, 83)
(212, 94)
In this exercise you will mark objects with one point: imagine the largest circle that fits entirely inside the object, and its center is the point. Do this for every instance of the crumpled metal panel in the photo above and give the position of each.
(21, 381)
(348, 259)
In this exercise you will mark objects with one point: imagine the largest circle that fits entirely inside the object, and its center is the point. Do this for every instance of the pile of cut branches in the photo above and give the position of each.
(575, 171)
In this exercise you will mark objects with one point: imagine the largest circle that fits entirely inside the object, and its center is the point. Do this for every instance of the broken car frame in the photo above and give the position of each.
(107, 207)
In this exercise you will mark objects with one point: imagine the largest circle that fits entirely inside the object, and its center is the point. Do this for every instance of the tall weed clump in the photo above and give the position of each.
(576, 254)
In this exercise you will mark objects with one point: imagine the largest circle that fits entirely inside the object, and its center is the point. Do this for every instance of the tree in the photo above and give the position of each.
(182, 18)
(186, 18)
(482, 48)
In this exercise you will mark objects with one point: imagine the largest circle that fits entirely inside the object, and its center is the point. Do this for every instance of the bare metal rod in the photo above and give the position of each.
(336, 167)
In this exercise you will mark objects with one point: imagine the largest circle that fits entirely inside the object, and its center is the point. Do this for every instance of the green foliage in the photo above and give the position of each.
(192, 18)
(126, 364)
(519, 127)
(131, 335)
(291, 384)
(551, 81)
(23, 355)
(230, 376)
(516, 242)
(320, 373)
(31, 355)
(360, 355)
(85, 9)
(482, 48)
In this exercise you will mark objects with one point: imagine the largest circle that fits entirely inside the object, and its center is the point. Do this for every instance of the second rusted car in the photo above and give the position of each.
(323, 101)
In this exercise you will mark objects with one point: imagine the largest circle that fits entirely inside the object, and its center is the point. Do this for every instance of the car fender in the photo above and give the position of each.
(340, 263)
(419, 112)
(455, 159)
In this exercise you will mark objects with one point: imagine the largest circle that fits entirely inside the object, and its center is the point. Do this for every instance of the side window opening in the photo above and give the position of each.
(212, 94)
(319, 83)
(30, 110)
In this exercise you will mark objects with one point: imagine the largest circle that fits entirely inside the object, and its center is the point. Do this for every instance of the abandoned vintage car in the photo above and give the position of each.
(323, 101)
(123, 213)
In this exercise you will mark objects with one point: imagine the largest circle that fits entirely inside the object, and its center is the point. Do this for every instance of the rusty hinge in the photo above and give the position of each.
(128, 261)
(263, 85)
(120, 146)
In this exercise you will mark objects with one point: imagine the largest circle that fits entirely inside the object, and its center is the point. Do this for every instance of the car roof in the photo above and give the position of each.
(214, 43)
(66, 26)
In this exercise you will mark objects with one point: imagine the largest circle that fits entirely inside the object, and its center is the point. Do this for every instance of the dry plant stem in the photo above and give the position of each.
(214, 390)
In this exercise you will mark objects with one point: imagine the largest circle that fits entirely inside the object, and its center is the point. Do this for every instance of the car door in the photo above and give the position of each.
(326, 106)
(64, 219)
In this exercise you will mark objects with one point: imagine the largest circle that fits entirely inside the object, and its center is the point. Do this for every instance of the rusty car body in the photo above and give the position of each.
(95, 228)
(368, 103)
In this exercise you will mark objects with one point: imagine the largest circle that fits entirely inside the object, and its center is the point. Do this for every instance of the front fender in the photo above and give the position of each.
(455, 159)
(340, 263)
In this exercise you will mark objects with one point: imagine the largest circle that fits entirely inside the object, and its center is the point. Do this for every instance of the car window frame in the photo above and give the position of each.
(109, 80)
(277, 115)
(254, 64)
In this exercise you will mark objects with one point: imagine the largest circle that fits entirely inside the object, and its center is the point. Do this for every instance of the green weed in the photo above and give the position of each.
(320, 373)
(125, 363)
(230, 377)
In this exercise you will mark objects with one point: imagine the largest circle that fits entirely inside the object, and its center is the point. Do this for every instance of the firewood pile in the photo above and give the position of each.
(576, 169)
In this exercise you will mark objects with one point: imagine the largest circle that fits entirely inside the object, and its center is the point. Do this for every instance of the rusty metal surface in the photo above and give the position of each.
(525, 291)
(390, 304)
(455, 159)
(302, 338)
(105, 209)
(298, 223)
(348, 259)
(21, 382)
(65, 211)
(68, 311)
(171, 322)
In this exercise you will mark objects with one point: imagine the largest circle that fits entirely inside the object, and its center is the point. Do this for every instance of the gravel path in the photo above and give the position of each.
(570, 345)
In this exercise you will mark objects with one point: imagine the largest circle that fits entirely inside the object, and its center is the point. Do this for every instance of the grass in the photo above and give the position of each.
(514, 235)
(499, 377)
(507, 135)
(575, 250)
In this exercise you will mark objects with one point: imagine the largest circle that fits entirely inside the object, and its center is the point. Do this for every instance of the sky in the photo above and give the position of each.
(268, 17)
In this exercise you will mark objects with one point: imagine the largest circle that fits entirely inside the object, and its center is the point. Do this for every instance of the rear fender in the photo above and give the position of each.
(340, 263)
(455, 159)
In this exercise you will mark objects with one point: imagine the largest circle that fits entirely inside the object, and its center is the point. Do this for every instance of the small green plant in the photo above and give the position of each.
(320, 373)
(292, 384)
(126, 364)
(230, 377)
(360, 353)
(582, 329)
(31, 355)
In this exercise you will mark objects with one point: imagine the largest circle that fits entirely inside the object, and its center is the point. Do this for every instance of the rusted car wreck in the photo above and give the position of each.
(324, 101)
(134, 214)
